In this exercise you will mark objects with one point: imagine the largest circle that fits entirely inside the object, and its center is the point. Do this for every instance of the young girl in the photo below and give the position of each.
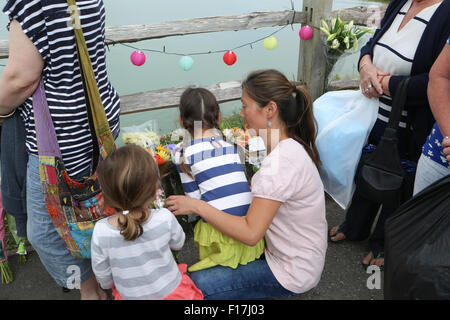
(131, 250)
(210, 169)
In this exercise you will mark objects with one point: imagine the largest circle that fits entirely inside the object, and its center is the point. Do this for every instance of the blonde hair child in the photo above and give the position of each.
(131, 250)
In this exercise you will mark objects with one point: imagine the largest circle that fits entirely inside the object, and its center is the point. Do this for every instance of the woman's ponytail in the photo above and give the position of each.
(294, 103)
(304, 130)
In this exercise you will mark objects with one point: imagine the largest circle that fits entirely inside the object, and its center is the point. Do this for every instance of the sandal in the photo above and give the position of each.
(338, 230)
(375, 255)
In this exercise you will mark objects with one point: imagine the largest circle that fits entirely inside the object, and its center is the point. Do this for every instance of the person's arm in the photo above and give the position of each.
(22, 73)
(248, 230)
(100, 263)
(369, 74)
(439, 95)
(177, 235)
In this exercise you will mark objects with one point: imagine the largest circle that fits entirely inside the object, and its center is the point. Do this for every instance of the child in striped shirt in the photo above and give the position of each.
(131, 250)
(211, 170)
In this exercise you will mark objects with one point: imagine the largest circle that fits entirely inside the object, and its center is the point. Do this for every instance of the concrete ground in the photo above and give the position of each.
(343, 278)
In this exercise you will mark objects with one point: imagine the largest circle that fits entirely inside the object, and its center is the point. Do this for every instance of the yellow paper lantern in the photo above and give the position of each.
(270, 43)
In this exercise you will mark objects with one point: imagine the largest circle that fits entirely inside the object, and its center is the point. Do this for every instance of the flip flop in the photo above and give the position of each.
(374, 257)
(338, 230)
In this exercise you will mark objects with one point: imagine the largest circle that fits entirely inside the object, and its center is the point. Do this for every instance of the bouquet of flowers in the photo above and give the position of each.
(163, 148)
(251, 149)
(5, 270)
(341, 37)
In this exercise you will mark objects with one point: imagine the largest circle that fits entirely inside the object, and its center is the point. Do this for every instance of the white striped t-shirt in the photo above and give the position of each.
(144, 269)
(48, 25)
(219, 177)
(395, 50)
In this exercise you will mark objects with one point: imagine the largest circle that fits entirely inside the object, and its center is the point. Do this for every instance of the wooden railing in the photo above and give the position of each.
(311, 58)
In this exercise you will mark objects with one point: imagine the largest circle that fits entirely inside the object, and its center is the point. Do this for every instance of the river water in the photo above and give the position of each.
(162, 70)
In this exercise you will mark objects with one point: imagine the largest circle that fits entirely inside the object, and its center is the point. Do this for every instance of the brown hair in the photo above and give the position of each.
(128, 178)
(198, 104)
(294, 103)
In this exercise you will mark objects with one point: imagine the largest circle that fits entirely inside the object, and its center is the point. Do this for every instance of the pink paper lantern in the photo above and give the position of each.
(306, 33)
(137, 58)
(229, 58)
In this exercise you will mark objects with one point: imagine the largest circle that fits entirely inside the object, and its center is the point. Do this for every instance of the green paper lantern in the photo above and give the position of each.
(186, 63)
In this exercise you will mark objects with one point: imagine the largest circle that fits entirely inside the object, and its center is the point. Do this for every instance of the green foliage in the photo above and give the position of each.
(342, 35)
(231, 122)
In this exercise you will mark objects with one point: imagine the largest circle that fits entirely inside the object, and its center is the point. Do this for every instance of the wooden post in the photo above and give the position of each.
(312, 60)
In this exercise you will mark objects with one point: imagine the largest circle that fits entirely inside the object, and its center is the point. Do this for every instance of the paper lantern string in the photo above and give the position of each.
(250, 44)
(196, 53)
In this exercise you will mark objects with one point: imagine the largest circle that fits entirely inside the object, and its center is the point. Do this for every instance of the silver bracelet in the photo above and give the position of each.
(363, 65)
(7, 115)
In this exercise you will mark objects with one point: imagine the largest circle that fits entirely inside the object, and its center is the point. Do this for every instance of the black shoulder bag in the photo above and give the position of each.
(380, 176)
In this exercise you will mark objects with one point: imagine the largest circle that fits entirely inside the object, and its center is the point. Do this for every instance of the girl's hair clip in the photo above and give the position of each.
(125, 212)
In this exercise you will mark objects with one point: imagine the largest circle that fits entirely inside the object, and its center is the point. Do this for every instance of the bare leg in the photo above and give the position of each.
(90, 290)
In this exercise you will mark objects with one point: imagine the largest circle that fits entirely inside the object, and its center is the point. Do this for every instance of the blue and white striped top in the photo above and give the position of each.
(219, 177)
(394, 53)
(47, 24)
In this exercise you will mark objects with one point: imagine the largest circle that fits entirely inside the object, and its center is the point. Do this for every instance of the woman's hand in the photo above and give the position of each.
(369, 82)
(384, 81)
(182, 205)
(446, 146)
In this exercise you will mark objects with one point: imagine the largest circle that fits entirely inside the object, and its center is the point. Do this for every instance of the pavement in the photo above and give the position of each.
(343, 278)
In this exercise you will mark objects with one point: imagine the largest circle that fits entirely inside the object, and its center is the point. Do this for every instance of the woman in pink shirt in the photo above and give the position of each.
(288, 207)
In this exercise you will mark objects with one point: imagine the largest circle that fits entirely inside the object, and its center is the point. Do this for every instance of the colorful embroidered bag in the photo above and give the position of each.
(74, 206)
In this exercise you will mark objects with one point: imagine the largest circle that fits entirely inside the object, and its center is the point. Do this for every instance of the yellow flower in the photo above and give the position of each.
(163, 152)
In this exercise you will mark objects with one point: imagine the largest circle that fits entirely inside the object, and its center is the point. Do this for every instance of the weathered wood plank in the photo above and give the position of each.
(169, 98)
(254, 20)
(311, 60)
(365, 16)
(343, 85)
(4, 49)
(134, 33)
(224, 92)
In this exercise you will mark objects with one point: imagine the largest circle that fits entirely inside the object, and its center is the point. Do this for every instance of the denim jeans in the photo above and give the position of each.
(252, 281)
(428, 171)
(52, 250)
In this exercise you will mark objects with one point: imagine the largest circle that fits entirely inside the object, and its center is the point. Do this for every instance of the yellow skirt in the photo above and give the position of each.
(215, 248)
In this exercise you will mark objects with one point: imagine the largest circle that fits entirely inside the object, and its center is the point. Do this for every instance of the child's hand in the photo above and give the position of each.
(181, 205)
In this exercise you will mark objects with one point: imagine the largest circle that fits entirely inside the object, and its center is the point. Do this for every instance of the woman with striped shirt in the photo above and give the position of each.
(42, 45)
(411, 36)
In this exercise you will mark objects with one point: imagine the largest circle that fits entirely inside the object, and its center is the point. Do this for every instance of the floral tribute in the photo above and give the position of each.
(164, 147)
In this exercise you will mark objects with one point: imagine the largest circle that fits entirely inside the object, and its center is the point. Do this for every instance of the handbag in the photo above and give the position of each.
(417, 239)
(380, 175)
(73, 206)
(345, 119)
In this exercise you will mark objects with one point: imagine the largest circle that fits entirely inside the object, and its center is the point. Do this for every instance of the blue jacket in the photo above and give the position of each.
(433, 40)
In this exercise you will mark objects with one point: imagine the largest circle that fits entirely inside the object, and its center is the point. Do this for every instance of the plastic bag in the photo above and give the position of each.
(345, 119)
(144, 135)
(417, 246)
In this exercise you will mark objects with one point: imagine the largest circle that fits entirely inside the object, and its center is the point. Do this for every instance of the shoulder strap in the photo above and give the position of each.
(93, 100)
(398, 104)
